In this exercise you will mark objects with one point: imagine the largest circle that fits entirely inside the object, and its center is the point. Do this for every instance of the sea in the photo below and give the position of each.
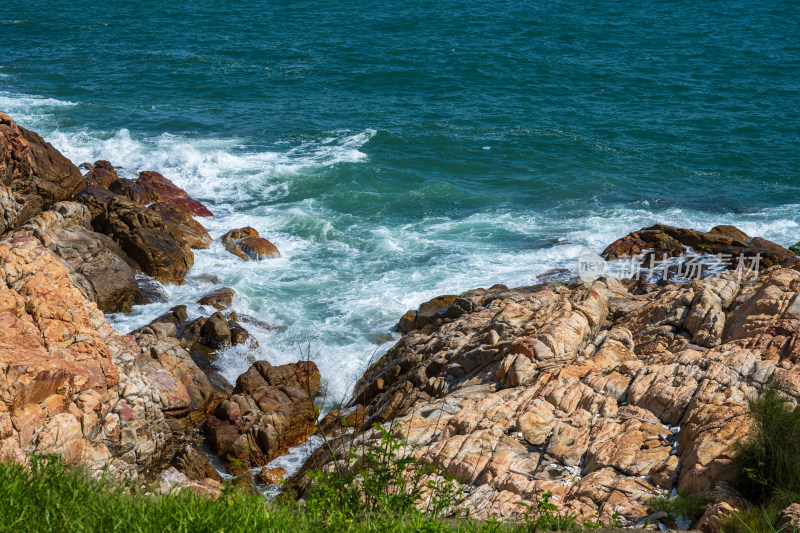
(395, 151)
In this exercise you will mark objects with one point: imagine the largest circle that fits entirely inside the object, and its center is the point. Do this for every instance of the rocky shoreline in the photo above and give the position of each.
(603, 391)
(74, 246)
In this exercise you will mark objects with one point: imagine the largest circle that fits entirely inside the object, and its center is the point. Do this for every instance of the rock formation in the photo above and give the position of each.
(599, 395)
(270, 411)
(69, 384)
(68, 381)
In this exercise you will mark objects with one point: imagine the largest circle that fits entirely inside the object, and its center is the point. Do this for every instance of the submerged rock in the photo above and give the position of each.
(219, 299)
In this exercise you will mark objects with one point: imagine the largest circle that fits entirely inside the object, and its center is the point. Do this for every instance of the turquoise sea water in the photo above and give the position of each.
(394, 151)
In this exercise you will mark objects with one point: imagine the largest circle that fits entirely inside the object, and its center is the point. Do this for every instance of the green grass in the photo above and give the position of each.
(50, 496)
(377, 489)
(760, 519)
(768, 460)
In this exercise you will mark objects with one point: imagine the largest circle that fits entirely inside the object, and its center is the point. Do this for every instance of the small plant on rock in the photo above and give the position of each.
(380, 479)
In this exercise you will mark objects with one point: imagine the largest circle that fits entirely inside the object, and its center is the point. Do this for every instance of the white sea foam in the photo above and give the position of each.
(31, 111)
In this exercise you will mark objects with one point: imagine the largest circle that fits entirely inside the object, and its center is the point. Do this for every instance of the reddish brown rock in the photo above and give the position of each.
(271, 410)
(219, 299)
(669, 241)
(194, 465)
(102, 173)
(36, 173)
(130, 189)
(245, 243)
(182, 226)
(161, 189)
(158, 254)
(141, 233)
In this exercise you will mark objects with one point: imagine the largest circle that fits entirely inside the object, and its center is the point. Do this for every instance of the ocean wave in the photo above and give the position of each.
(31, 111)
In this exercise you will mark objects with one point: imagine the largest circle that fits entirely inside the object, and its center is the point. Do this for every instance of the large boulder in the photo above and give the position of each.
(246, 243)
(158, 254)
(130, 189)
(182, 226)
(161, 189)
(35, 172)
(270, 411)
(96, 263)
(221, 298)
(141, 232)
(102, 174)
(193, 464)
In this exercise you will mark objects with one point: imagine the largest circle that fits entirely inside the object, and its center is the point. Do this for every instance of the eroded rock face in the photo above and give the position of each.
(36, 173)
(271, 410)
(65, 374)
(185, 392)
(246, 243)
(141, 232)
(586, 388)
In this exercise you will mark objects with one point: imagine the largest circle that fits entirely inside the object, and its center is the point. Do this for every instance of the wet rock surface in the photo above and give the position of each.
(246, 244)
(141, 232)
(669, 241)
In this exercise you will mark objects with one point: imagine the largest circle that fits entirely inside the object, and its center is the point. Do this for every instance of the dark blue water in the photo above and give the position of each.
(394, 151)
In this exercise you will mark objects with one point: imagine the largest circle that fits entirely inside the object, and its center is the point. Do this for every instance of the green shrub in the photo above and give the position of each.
(767, 461)
(681, 506)
(380, 479)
